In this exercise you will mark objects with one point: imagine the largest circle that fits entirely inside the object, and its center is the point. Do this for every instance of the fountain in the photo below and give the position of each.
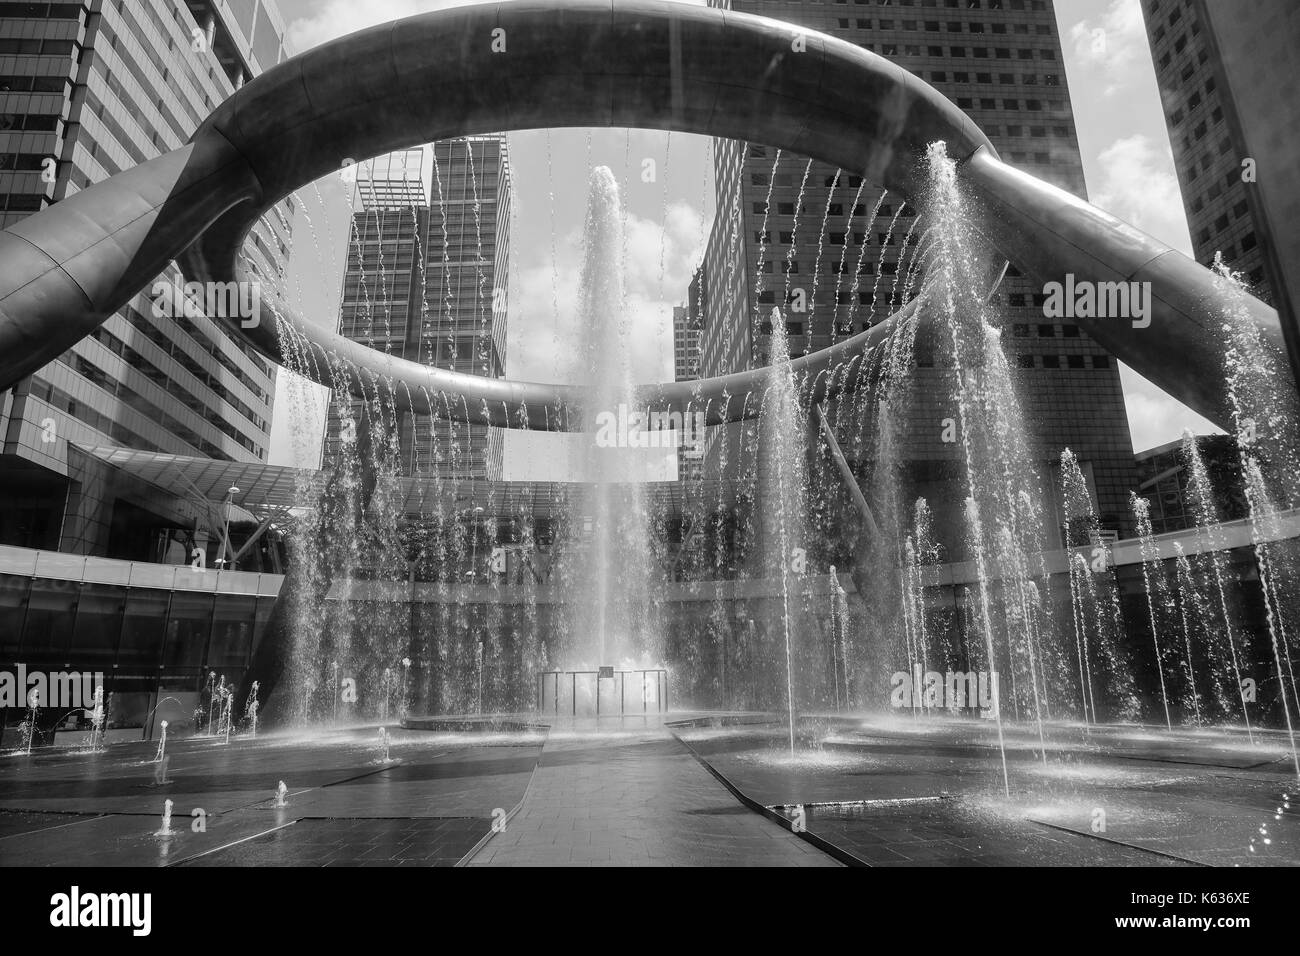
(1264, 406)
(161, 752)
(166, 829)
(956, 565)
(470, 659)
(1098, 623)
(98, 719)
(781, 473)
(612, 572)
(1154, 584)
(211, 691)
(1207, 524)
(28, 728)
(250, 711)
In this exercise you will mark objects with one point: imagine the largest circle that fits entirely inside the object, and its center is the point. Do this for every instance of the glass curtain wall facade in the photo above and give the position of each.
(427, 281)
(1228, 90)
(88, 90)
(1000, 61)
(149, 642)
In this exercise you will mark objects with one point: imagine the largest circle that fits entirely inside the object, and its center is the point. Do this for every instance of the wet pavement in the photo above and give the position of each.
(636, 797)
(429, 803)
(930, 791)
(882, 791)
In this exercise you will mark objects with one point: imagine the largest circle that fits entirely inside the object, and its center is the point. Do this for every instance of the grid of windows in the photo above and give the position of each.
(1206, 155)
(426, 282)
(145, 640)
(87, 91)
(1002, 64)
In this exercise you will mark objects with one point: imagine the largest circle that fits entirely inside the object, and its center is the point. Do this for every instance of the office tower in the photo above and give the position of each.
(686, 341)
(686, 358)
(426, 281)
(999, 61)
(1229, 83)
(87, 90)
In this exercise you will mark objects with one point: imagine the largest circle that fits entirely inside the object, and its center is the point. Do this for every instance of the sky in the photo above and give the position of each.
(666, 184)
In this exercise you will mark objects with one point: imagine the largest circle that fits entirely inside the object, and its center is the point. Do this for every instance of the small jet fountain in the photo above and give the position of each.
(335, 666)
(97, 721)
(250, 711)
(162, 744)
(406, 678)
(28, 726)
(212, 683)
(166, 829)
(227, 708)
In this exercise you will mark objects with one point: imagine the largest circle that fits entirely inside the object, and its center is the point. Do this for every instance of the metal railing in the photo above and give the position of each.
(652, 684)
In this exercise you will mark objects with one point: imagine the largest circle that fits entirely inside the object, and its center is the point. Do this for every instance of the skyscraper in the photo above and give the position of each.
(426, 281)
(686, 343)
(86, 90)
(686, 357)
(1228, 85)
(1001, 63)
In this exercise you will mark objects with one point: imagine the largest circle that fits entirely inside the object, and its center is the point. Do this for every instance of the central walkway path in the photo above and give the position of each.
(635, 797)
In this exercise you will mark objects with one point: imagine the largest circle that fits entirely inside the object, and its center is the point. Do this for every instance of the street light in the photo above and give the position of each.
(225, 542)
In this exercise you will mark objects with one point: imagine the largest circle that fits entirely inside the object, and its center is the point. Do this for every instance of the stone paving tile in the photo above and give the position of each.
(428, 807)
(201, 772)
(429, 841)
(636, 799)
(631, 794)
(15, 823)
(132, 840)
(1189, 797)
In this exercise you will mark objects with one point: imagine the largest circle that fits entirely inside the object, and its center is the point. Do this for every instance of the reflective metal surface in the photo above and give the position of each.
(638, 63)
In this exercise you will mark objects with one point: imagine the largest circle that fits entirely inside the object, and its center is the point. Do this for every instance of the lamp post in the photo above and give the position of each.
(225, 542)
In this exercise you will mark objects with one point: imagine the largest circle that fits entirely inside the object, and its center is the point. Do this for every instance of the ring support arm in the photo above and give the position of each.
(1048, 233)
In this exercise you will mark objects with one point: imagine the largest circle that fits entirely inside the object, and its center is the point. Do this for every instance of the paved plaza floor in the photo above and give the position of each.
(695, 790)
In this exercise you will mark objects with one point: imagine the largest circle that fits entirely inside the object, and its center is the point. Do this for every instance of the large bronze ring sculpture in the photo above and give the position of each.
(520, 65)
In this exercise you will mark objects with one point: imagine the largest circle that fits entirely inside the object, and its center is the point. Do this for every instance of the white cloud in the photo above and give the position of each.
(1154, 417)
(544, 334)
(1139, 185)
(1113, 44)
(338, 18)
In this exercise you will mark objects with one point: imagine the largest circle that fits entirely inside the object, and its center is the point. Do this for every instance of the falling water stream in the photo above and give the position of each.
(609, 613)
(1263, 406)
